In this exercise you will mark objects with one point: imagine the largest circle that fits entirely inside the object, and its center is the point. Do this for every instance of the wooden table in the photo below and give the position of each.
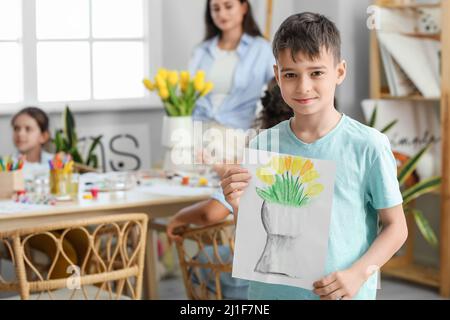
(137, 200)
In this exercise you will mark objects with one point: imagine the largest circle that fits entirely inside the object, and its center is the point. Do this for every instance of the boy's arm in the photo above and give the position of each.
(346, 283)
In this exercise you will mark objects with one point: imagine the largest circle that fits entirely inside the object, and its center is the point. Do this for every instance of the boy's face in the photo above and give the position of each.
(27, 134)
(308, 86)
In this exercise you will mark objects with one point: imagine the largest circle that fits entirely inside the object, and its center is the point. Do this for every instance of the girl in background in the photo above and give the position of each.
(30, 135)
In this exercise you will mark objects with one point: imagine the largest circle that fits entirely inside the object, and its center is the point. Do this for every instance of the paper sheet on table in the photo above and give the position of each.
(11, 207)
(169, 190)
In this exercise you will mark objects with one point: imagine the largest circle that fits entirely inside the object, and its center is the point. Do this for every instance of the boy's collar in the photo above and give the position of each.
(241, 50)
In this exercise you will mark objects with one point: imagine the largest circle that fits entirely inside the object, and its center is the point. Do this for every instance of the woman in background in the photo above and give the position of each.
(237, 59)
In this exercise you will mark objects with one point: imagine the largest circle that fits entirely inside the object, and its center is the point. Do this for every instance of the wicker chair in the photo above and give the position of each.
(109, 266)
(205, 256)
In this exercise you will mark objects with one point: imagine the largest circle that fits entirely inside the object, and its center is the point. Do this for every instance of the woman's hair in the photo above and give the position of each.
(37, 114)
(275, 110)
(249, 25)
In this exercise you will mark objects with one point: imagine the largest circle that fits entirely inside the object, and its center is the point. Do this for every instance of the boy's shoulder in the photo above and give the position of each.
(356, 132)
(367, 142)
(351, 132)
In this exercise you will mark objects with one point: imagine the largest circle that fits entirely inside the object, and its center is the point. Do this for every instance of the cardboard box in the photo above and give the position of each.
(10, 183)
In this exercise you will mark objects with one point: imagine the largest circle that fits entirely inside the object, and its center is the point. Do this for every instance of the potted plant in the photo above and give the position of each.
(66, 140)
(179, 93)
(411, 187)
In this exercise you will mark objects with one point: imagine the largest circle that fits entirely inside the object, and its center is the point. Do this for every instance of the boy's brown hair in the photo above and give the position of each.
(307, 33)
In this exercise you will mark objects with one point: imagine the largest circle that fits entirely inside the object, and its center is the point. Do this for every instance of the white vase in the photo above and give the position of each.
(177, 140)
(283, 225)
(177, 131)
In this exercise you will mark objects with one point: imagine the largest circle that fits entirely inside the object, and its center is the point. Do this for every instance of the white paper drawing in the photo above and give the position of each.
(284, 216)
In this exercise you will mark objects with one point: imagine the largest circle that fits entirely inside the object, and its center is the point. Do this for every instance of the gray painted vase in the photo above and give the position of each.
(283, 225)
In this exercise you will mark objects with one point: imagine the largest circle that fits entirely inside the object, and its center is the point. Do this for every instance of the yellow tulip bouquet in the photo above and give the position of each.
(178, 90)
(290, 181)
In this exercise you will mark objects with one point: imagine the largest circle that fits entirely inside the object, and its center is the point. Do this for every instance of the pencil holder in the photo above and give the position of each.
(10, 183)
(60, 182)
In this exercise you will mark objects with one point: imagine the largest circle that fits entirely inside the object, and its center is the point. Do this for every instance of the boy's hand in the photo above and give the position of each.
(340, 285)
(233, 184)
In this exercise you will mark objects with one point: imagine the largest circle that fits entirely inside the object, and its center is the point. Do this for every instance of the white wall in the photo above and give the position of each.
(183, 30)
(355, 50)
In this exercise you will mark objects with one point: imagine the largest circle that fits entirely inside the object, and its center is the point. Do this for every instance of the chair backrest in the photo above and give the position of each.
(104, 256)
(204, 268)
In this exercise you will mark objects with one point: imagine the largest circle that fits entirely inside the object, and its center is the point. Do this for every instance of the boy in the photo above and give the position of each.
(308, 69)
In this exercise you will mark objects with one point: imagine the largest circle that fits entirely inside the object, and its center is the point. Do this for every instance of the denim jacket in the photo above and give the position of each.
(254, 70)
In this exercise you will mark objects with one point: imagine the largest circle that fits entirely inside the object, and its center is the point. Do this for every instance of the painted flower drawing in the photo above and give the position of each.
(290, 185)
(289, 180)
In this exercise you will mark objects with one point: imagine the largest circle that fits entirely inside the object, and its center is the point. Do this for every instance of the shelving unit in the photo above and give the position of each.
(403, 266)
(407, 98)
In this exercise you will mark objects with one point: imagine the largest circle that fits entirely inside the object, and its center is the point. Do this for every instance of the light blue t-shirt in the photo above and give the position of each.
(366, 181)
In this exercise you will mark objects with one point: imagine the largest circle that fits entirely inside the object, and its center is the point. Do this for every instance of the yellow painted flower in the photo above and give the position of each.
(297, 164)
(277, 165)
(309, 176)
(314, 189)
(288, 162)
(306, 167)
(208, 87)
(265, 175)
(164, 93)
(173, 78)
(149, 85)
